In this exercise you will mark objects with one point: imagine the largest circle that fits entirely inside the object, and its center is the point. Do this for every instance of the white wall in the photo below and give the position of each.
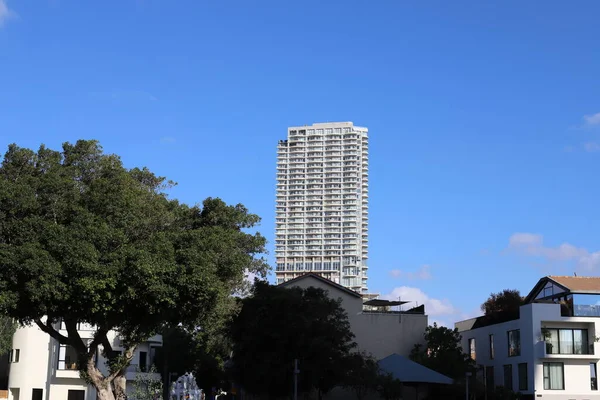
(380, 334)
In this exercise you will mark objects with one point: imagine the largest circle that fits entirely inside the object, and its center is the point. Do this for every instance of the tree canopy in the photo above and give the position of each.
(278, 325)
(85, 240)
(443, 352)
(508, 300)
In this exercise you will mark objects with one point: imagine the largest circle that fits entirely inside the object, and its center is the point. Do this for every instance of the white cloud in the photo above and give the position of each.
(5, 12)
(422, 273)
(591, 147)
(531, 244)
(440, 311)
(593, 119)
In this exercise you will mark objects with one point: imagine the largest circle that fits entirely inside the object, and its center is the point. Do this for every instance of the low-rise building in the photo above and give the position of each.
(379, 329)
(42, 369)
(548, 349)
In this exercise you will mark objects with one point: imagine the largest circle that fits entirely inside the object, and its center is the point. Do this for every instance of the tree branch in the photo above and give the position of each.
(99, 338)
(49, 329)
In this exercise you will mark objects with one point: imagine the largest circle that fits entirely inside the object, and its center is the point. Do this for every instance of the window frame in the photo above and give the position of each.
(544, 377)
(508, 378)
(517, 351)
(472, 349)
(491, 346)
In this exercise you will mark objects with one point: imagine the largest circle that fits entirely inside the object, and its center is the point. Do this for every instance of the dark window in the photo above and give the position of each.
(489, 378)
(37, 394)
(593, 376)
(143, 361)
(17, 355)
(523, 376)
(67, 357)
(76, 395)
(514, 343)
(491, 347)
(554, 376)
(508, 381)
(472, 352)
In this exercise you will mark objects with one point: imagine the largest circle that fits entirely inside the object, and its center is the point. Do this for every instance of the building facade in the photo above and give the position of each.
(42, 369)
(322, 204)
(379, 331)
(549, 348)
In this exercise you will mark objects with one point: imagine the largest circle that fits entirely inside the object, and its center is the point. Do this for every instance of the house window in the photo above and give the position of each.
(514, 343)
(554, 376)
(567, 341)
(522, 376)
(491, 347)
(472, 352)
(593, 376)
(489, 378)
(17, 355)
(508, 381)
(67, 357)
(143, 361)
(37, 394)
(76, 395)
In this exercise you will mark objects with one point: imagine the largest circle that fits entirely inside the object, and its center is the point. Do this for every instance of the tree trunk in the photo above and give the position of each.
(119, 385)
(104, 393)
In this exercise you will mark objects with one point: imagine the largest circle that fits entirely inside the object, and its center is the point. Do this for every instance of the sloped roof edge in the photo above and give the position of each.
(324, 280)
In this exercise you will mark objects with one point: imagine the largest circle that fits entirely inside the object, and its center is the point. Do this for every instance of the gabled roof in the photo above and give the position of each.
(573, 284)
(324, 280)
(408, 371)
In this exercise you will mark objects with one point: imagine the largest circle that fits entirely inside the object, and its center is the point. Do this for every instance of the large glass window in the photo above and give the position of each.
(567, 341)
(514, 343)
(593, 377)
(586, 305)
(67, 357)
(472, 352)
(491, 347)
(554, 376)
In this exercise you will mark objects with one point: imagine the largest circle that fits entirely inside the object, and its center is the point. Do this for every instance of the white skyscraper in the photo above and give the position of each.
(322, 203)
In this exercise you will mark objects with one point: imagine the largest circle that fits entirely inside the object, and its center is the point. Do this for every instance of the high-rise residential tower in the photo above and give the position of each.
(322, 203)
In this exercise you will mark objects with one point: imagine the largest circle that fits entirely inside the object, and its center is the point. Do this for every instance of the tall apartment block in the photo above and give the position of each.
(322, 203)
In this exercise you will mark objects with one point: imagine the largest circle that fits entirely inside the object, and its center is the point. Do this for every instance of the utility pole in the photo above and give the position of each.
(296, 372)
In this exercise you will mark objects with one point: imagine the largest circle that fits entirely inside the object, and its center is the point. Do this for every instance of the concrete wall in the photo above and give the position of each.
(532, 318)
(380, 334)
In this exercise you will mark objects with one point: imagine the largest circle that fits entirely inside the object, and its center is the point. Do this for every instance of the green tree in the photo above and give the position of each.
(505, 301)
(443, 352)
(389, 388)
(362, 374)
(8, 326)
(276, 326)
(85, 240)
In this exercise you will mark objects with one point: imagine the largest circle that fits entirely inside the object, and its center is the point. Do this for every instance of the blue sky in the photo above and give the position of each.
(484, 117)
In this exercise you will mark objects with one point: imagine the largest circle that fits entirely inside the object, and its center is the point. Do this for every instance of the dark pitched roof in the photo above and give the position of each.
(574, 284)
(409, 371)
(322, 279)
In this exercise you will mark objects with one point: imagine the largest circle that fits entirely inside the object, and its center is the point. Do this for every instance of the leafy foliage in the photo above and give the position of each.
(389, 388)
(7, 329)
(147, 386)
(84, 239)
(362, 374)
(505, 301)
(443, 352)
(276, 326)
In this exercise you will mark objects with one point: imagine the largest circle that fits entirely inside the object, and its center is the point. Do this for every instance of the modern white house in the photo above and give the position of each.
(547, 350)
(322, 209)
(42, 369)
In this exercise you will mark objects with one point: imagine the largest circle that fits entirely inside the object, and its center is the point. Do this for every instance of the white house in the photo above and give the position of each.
(549, 349)
(42, 369)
